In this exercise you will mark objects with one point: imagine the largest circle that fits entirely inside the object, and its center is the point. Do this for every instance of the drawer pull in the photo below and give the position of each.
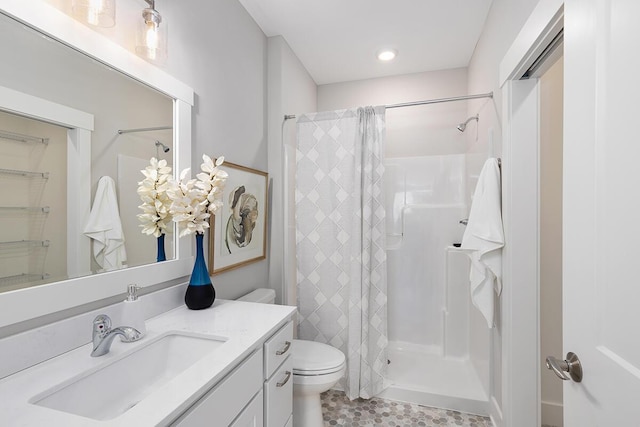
(286, 380)
(287, 344)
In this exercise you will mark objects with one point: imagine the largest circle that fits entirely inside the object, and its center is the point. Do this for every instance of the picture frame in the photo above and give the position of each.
(238, 232)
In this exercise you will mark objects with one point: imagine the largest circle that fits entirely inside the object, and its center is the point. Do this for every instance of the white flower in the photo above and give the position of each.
(211, 182)
(155, 202)
(194, 200)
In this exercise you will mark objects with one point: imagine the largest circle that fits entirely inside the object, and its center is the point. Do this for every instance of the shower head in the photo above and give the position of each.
(462, 126)
(164, 147)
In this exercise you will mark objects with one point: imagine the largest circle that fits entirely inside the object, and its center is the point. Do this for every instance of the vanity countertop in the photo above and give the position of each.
(245, 325)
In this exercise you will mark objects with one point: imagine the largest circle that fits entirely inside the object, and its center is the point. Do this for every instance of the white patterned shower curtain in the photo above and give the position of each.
(340, 231)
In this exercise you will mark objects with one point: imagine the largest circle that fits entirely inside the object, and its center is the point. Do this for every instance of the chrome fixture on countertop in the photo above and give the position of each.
(103, 335)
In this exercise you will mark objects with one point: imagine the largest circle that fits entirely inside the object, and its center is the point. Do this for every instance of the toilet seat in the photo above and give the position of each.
(313, 358)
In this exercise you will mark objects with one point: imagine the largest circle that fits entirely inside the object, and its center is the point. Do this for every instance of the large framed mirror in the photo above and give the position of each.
(74, 108)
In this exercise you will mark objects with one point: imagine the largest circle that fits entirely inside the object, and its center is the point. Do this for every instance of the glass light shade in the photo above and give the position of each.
(99, 13)
(151, 40)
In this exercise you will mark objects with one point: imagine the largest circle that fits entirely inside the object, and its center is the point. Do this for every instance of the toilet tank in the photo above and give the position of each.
(262, 295)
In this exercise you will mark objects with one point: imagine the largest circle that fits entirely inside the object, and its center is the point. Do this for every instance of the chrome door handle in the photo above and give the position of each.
(287, 344)
(286, 380)
(571, 365)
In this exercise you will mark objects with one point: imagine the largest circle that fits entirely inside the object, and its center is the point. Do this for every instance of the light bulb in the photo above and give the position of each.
(99, 13)
(96, 7)
(151, 39)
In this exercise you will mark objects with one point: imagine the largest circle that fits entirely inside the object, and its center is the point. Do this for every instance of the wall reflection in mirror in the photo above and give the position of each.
(33, 156)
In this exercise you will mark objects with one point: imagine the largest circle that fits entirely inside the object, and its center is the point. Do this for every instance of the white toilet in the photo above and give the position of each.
(316, 368)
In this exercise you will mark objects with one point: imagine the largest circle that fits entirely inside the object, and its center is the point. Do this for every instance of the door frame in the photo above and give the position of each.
(520, 314)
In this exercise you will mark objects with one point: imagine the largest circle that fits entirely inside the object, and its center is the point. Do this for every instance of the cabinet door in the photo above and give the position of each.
(252, 415)
(221, 405)
(278, 395)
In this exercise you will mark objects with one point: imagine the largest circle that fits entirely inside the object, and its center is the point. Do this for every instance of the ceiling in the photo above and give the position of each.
(337, 40)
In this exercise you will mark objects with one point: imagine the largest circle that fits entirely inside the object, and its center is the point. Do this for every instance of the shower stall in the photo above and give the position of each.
(438, 343)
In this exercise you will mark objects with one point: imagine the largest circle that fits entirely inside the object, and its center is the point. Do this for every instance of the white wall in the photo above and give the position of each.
(218, 50)
(503, 23)
(291, 90)
(551, 115)
(411, 131)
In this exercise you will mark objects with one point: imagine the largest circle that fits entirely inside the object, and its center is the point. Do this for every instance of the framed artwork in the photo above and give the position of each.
(238, 232)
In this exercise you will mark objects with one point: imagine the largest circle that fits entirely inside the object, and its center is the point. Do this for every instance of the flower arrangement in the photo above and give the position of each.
(194, 200)
(155, 200)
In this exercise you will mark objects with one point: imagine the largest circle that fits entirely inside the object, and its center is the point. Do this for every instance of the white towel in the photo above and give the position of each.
(483, 239)
(105, 229)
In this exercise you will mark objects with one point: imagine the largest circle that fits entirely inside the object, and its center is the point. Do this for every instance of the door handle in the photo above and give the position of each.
(570, 365)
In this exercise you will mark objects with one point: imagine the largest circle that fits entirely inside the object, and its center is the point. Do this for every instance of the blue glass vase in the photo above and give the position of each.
(200, 293)
(161, 255)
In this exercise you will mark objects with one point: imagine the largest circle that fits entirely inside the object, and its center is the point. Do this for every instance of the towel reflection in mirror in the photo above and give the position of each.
(242, 221)
(105, 229)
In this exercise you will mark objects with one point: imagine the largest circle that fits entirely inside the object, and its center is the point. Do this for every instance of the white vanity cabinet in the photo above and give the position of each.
(257, 393)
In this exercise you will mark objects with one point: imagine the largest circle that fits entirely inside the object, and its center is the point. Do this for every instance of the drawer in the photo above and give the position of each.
(277, 349)
(278, 396)
(220, 405)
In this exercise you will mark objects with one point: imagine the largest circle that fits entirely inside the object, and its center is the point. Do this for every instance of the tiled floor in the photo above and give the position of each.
(338, 410)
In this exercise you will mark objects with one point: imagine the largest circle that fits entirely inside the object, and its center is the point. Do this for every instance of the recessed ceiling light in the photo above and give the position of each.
(387, 54)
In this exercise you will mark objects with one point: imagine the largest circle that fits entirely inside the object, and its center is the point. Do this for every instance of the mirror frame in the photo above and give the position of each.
(29, 303)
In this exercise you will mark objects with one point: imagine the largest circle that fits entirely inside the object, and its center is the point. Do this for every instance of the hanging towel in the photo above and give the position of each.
(105, 229)
(483, 240)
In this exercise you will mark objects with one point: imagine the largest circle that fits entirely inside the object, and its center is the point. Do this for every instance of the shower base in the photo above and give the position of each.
(429, 379)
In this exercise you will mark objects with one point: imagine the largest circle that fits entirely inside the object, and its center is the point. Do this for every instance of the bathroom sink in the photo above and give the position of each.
(110, 390)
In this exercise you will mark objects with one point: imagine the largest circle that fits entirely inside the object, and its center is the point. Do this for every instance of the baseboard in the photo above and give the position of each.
(552, 414)
(495, 413)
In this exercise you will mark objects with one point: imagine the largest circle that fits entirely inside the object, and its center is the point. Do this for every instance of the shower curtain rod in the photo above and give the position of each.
(425, 102)
(437, 101)
(121, 131)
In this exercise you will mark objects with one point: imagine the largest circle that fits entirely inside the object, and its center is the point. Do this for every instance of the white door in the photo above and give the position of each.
(601, 290)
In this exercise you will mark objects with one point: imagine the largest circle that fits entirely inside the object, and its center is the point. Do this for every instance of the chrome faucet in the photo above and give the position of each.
(103, 335)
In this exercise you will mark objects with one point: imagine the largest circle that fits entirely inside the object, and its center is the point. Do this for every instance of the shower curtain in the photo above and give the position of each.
(340, 231)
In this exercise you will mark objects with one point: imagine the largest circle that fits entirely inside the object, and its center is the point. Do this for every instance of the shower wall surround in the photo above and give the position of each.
(433, 326)
(425, 200)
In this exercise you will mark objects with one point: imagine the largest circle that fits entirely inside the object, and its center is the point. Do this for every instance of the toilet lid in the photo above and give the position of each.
(314, 358)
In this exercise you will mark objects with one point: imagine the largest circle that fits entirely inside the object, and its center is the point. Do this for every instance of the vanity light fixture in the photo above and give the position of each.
(151, 39)
(386, 55)
(99, 13)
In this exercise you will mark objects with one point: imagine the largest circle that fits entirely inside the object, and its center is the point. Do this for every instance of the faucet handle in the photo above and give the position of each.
(101, 325)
